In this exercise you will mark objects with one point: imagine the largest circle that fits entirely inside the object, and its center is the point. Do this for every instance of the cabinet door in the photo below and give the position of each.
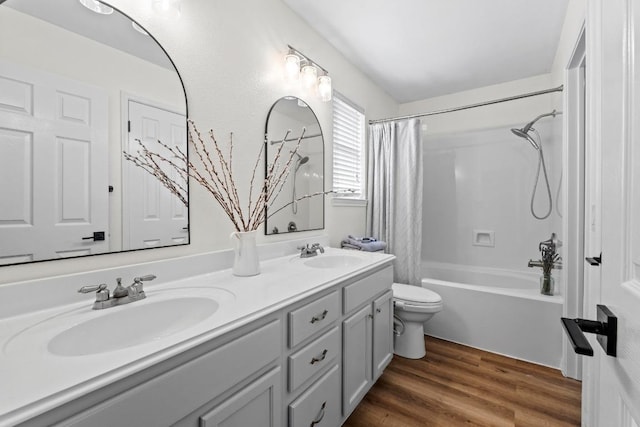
(257, 405)
(382, 333)
(357, 362)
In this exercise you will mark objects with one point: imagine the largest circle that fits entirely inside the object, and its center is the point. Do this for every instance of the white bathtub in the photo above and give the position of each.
(496, 310)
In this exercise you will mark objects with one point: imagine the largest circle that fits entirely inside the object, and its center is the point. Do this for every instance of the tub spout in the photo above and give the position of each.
(532, 263)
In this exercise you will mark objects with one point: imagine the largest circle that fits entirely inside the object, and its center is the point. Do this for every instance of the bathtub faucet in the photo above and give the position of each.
(551, 244)
(556, 265)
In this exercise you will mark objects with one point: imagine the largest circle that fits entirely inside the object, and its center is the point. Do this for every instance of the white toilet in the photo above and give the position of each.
(412, 305)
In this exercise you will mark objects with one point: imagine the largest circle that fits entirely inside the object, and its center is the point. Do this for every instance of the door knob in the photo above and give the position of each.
(606, 329)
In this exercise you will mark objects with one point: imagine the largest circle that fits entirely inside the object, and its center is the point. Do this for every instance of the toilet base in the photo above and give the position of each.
(411, 343)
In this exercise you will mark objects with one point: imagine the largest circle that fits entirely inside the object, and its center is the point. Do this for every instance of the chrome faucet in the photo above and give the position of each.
(120, 295)
(309, 251)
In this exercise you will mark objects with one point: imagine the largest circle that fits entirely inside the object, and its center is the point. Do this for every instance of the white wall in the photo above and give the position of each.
(479, 176)
(230, 54)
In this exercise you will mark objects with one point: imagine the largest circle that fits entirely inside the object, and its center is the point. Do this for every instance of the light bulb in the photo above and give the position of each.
(138, 28)
(309, 76)
(324, 88)
(97, 7)
(167, 8)
(292, 67)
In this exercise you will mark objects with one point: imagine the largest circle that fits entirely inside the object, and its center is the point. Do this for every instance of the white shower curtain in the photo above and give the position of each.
(394, 212)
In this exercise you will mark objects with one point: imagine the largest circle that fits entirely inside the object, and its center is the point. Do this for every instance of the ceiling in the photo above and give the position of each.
(418, 49)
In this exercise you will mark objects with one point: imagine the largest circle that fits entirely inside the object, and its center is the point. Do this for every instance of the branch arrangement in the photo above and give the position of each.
(213, 170)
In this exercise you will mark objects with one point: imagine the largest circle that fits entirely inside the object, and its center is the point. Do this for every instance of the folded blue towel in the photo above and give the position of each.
(367, 246)
(363, 239)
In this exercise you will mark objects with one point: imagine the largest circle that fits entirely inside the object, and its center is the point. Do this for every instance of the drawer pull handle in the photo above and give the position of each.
(320, 358)
(320, 415)
(319, 317)
(378, 310)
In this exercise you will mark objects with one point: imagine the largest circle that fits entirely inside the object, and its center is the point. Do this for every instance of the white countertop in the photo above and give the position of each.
(35, 381)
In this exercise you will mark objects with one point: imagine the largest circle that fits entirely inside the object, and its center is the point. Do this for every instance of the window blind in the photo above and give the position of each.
(348, 141)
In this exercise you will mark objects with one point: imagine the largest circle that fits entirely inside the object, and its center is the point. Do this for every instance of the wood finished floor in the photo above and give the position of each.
(455, 385)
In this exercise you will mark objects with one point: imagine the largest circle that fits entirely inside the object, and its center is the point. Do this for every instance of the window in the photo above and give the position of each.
(348, 145)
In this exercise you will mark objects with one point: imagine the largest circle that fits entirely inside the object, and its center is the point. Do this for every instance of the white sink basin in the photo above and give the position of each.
(133, 326)
(83, 331)
(333, 261)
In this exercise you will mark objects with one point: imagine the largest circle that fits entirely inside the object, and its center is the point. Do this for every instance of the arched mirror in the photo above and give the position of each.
(300, 204)
(77, 88)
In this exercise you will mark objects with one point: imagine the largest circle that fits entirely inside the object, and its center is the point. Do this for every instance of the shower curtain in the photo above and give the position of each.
(394, 211)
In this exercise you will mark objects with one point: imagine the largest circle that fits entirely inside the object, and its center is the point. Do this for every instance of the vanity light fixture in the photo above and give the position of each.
(292, 67)
(313, 76)
(97, 7)
(309, 75)
(167, 8)
(324, 88)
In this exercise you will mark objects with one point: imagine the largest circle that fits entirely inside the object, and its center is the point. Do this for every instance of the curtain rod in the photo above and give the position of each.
(466, 107)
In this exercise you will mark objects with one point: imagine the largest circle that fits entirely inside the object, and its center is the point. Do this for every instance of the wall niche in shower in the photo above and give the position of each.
(292, 210)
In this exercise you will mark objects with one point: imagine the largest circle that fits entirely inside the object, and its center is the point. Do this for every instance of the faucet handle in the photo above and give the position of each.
(92, 288)
(102, 293)
(146, 278)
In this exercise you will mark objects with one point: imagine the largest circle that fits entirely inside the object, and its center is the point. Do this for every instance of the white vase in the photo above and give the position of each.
(245, 262)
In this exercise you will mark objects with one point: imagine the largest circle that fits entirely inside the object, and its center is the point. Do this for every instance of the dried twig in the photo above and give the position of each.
(215, 174)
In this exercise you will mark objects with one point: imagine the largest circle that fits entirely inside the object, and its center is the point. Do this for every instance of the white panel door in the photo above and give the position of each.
(53, 172)
(153, 216)
(611, 388)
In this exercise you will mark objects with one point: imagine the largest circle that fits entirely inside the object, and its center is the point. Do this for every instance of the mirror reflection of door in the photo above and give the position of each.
(53, 173)
(64, 71)
(153, 216)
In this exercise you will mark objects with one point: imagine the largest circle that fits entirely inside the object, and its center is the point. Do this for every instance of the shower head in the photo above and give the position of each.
(523, 134)
(300, 161)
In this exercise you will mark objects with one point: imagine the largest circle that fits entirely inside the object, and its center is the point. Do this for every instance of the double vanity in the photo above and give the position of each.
(298, 345)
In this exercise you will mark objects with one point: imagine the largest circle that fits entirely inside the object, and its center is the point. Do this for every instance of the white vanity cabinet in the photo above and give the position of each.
(308, 363)
(367, 335)
(190, 387)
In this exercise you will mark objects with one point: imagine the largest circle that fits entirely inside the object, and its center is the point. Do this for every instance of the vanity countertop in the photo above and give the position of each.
(36, 381)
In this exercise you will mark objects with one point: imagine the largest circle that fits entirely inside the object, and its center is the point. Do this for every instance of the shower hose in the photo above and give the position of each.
(542, 164)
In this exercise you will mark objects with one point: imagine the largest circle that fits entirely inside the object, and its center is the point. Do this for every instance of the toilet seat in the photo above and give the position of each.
(415, 295)
(416, 299)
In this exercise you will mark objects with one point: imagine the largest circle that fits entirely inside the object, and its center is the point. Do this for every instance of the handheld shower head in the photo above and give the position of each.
(524, 134)
(300, 161)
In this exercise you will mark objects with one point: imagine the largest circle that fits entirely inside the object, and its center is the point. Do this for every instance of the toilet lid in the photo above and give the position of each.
(416, 294)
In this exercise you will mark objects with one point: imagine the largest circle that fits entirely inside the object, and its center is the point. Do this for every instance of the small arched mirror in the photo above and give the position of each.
(299, 205)
(78, 86)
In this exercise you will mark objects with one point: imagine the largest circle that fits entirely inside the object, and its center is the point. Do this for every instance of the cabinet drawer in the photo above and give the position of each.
(171, 396)
(366, 288)
(313, 317)
(319, 406)
(313, 358)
